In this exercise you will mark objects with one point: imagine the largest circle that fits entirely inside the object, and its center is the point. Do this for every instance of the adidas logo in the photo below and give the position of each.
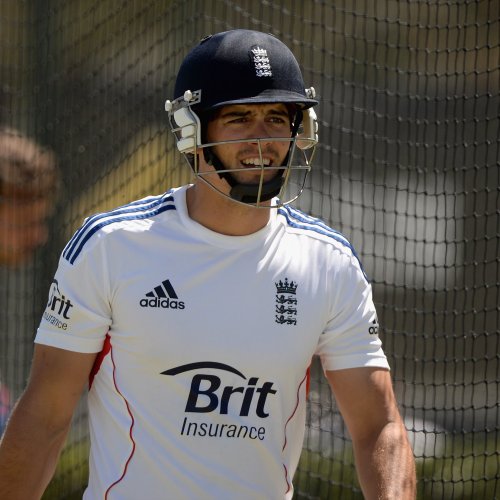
(163, 296)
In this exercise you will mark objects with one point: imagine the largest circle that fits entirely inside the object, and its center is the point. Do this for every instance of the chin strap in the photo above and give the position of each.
(246, 193)
(249, 193)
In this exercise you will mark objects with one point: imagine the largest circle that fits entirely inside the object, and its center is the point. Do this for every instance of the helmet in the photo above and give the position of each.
(243, 67)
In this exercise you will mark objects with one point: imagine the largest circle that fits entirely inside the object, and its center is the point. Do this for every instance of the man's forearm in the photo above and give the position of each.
(385, 465)
(28, 454)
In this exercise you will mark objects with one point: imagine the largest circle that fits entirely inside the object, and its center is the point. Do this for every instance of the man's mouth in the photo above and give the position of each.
(256, 162)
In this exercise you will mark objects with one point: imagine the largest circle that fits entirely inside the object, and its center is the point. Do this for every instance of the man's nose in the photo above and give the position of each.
(260, 130)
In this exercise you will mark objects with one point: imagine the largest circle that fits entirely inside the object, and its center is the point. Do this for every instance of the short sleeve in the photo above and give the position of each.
(77, 316)
(350, 338)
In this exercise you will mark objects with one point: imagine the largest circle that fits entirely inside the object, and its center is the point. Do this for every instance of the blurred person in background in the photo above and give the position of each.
(28, 188)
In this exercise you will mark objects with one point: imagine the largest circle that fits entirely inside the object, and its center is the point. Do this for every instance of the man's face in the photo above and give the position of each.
(251, 121)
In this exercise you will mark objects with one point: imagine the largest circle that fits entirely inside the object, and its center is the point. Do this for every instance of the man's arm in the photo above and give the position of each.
(36, 431)
(384, 459)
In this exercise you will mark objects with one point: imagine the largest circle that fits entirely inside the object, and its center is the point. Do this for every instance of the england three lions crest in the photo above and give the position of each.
(286, 302)
(261, 62)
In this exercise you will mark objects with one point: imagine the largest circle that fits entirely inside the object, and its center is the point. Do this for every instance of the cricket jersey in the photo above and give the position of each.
(204, 342)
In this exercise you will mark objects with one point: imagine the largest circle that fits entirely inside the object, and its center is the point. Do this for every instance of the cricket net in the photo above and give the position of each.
(407, 168)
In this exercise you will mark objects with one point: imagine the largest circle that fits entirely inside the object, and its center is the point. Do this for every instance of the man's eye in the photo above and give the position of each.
(278, 121)
(242, 119)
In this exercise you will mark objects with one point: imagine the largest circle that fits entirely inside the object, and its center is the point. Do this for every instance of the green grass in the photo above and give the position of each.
(468, 470)
(70, 479)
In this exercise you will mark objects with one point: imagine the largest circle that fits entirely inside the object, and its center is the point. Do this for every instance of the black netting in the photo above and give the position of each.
(408, 169)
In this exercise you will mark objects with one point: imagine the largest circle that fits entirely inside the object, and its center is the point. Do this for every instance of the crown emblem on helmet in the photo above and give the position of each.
(261, 61)
(257, 51)
(286, 286)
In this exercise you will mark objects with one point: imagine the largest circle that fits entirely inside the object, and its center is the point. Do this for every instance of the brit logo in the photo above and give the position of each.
(220, 399)
(162, 296)
(286, 302)
(58, 308)
(261, 61)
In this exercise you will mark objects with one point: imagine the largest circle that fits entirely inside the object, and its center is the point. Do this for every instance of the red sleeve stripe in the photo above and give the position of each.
(106, 348)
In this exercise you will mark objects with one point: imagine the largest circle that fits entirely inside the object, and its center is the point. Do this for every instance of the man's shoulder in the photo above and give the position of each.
(129, 217)
(329, 241)
(300, 222)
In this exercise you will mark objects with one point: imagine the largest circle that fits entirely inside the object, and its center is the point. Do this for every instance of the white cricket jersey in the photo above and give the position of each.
(205, 340)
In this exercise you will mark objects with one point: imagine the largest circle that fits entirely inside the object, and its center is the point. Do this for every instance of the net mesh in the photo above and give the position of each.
(407, 168)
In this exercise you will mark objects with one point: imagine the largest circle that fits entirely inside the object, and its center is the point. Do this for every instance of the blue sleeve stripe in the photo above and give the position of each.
(136, 206)
(299, 220)
(142, 209)
(307, 219)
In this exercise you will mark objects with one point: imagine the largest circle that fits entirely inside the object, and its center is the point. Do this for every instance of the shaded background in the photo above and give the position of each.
(407, 168)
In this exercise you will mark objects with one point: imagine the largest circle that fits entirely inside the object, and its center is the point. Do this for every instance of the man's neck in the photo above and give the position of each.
(222, 215)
